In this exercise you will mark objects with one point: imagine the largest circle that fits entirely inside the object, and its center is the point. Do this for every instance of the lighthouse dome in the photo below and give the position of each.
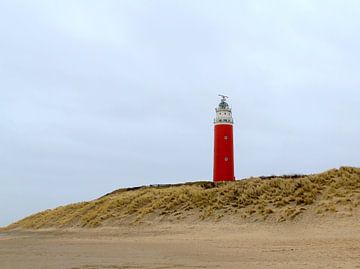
(223, 104)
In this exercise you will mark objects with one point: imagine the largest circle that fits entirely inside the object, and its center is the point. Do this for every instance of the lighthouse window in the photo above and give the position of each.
(226, 137)
(226, 159)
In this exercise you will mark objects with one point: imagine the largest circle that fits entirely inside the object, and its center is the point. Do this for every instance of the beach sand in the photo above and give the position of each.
(325, 243)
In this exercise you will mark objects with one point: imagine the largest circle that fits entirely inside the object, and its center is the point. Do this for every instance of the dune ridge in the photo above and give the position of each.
(270, 199)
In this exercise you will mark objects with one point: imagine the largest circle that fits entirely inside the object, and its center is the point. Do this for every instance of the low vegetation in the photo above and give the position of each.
(274, 199)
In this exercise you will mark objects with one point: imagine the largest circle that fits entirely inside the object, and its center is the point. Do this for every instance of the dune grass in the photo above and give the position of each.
(274, 199)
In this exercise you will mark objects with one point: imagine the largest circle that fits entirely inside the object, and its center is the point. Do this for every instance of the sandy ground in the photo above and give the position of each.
(324, 244)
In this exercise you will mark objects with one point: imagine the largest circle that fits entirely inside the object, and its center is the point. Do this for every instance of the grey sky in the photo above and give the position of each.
(98, 95)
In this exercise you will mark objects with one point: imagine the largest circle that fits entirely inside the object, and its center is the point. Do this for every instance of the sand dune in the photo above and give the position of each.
(278, 222)
(273, 199)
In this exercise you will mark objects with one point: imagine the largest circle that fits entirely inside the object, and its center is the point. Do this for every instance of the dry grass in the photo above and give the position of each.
(272, 199)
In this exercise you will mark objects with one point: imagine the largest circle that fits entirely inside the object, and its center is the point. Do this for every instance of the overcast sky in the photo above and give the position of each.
(99, 95)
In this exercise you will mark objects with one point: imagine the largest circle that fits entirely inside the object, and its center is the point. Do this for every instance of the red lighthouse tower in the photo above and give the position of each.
(223, 143)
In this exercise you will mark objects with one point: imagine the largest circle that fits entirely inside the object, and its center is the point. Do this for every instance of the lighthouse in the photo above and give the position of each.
(223, 143)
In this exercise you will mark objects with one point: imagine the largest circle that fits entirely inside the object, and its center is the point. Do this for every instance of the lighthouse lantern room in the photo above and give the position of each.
(223, 143)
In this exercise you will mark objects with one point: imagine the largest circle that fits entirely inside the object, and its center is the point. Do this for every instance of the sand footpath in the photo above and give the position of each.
(325, 243)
